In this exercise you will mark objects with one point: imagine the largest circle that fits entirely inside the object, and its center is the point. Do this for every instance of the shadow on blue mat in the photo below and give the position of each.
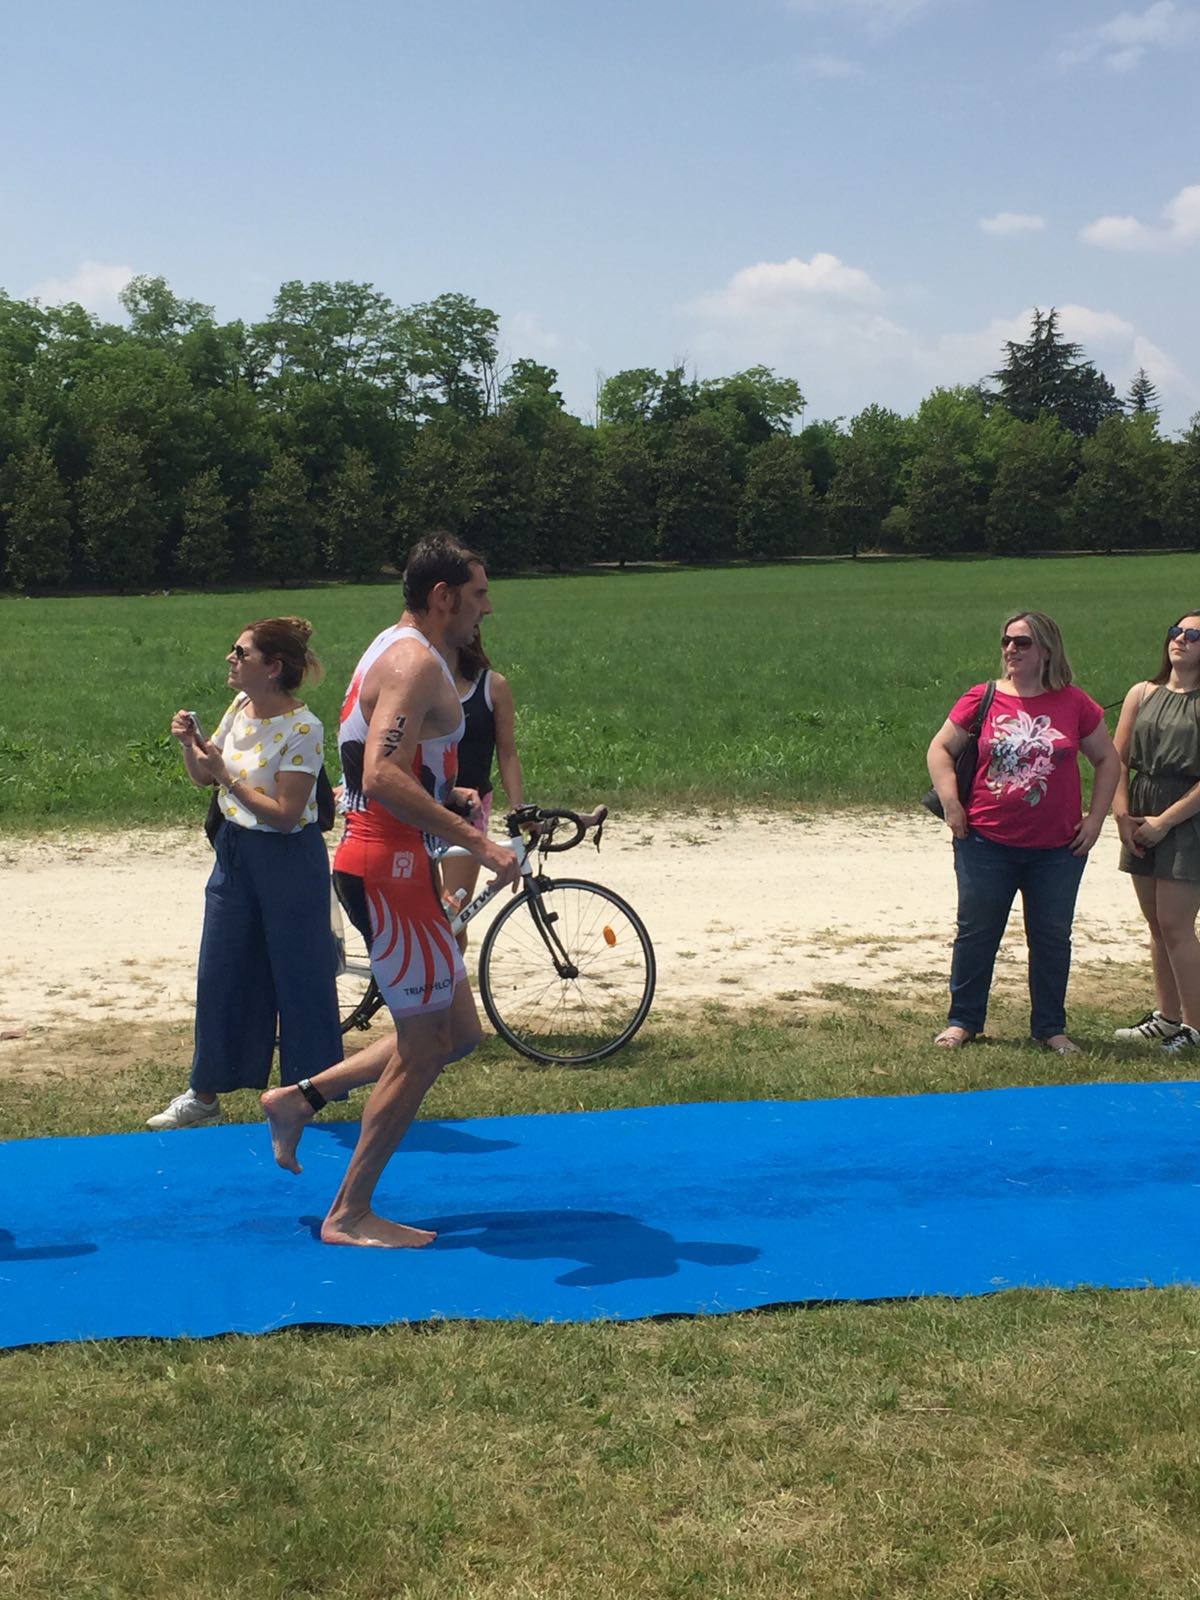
(614, 1248)
(650, 1211)
(427, 1138)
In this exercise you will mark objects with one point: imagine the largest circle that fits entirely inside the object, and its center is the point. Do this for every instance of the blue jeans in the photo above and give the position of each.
(989, 875)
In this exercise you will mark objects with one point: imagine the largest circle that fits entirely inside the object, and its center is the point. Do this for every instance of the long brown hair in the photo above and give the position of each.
(473, 658)
(1164, 671)
(1056, 669)
(285, 639)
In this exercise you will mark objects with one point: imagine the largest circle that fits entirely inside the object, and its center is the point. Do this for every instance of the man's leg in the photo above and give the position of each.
(424, 1045)
(289, 1111)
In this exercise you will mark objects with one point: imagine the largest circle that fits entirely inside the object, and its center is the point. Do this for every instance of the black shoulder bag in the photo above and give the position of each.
(966, 761)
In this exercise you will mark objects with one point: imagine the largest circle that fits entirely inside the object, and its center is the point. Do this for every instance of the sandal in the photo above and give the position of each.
(1067, 1047)
(954, 1037)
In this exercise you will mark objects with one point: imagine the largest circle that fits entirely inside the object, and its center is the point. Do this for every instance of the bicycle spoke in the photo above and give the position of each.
(604, 997)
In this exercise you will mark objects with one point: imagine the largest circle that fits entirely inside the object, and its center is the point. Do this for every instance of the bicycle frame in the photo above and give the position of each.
(525, 853)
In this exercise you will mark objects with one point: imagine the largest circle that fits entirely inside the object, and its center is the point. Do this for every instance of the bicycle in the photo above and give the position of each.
(566, 970)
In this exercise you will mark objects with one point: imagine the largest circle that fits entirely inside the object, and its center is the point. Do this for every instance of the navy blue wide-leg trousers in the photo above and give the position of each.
(267, 960)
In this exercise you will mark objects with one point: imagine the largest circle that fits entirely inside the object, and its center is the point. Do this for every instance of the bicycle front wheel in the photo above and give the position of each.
(566, 972)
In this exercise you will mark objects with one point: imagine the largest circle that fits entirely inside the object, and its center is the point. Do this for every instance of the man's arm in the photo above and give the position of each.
(408, 686)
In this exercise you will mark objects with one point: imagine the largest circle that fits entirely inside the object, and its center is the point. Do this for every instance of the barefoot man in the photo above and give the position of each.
(400, 726)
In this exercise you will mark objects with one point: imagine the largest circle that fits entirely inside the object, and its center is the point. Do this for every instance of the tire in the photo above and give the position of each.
(358, 997)
(599, 1005)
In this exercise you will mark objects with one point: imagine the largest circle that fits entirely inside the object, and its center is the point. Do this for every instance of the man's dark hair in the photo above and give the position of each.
(438, 558)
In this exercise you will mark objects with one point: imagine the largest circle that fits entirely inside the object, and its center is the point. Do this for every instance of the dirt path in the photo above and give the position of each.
(106, 928)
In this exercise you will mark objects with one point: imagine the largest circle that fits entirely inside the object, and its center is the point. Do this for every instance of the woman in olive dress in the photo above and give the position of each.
(1157, 808)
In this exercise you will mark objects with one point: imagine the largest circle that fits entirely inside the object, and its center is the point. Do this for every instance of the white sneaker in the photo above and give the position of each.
(187, 1110)
(1152, 1029)
(1184, 1042)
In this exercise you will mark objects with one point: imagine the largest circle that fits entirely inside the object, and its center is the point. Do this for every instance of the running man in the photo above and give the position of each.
(400, 726)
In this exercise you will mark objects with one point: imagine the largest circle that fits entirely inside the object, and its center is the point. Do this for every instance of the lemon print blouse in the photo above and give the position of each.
(258, 749)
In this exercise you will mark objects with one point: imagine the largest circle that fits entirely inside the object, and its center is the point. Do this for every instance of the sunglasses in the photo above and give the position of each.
(1192, 635)
(1016, 641)
(239, 652)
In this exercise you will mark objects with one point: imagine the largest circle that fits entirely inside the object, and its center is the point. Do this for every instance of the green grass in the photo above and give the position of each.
(1030, 1444)
(794, 685)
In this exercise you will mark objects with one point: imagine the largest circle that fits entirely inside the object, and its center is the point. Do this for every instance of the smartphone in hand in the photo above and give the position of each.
(197, 730)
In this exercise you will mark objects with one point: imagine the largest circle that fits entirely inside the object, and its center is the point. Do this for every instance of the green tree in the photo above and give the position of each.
(754, 404)
(38, 545)
(529, 396)
(1028, 502)
(626, 494)
(1118, 497)
(697, 516)
(121, 522)
(1143, 396)
(944, 501)
(1183, 489)
(564, 493)
(628, 399)
(355, 519)
(156, 314)
(281, 524)
(202, 556)
(867, 483)
(819, 443)
(1048, 373)
(496, 487)
(776, 515)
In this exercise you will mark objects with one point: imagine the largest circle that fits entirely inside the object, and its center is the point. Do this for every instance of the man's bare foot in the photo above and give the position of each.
(288, 1114)
(368, 1229)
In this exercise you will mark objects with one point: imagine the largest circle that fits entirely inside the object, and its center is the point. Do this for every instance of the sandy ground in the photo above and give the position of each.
(106, 927)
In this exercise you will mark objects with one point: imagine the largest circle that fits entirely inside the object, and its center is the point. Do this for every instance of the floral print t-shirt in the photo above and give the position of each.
(1027, 791)
(259, 748)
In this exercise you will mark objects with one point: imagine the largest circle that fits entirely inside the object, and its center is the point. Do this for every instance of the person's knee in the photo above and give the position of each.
(1176, 931)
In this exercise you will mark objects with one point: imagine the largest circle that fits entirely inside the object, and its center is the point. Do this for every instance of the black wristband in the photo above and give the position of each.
(314, 1096)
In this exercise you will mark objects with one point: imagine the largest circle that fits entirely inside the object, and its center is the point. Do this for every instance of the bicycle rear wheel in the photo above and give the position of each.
(566, 972)
(358, 996)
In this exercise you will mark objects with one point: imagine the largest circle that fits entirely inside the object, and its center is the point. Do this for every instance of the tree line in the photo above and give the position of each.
(173, 449)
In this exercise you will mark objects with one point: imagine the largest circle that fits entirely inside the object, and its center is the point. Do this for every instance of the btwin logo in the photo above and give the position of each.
(402, 864)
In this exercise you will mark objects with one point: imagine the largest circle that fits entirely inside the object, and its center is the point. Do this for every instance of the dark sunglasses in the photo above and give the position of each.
(1192, 635)
(239, 652)
(1016, 641)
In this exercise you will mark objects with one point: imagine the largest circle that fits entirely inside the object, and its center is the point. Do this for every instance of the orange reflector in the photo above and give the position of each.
(609, 936)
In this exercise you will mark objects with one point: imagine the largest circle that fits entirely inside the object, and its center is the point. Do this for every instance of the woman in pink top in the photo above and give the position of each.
(1023, 826)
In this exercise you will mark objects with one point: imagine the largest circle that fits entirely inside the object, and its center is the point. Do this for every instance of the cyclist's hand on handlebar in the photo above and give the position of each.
(502, 862)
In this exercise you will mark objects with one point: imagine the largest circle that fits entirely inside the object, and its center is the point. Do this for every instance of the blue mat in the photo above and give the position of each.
(667, 1209)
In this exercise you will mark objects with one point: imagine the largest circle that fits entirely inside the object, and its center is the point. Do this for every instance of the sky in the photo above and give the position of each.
(868, 196)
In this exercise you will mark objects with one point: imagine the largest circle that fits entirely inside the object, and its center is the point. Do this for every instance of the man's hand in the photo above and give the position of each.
(956, 819)
(467, 801)
(503, 862)
(1086, 835)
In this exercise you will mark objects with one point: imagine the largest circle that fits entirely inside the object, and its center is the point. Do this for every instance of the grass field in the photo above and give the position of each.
(1029, 1445)
(819, 683)
(1033, 1444)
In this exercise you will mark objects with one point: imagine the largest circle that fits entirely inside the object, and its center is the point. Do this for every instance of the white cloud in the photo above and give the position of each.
(827, 325)
(783, 288)
(822, 66)
(1006, 222)
(94, 285)
(1181, 226)
(1123, 42)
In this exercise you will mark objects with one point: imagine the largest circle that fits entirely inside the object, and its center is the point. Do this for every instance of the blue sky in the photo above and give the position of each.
(866, 195)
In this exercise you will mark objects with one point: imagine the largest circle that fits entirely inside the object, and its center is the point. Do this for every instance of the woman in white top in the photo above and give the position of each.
(267, 959)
